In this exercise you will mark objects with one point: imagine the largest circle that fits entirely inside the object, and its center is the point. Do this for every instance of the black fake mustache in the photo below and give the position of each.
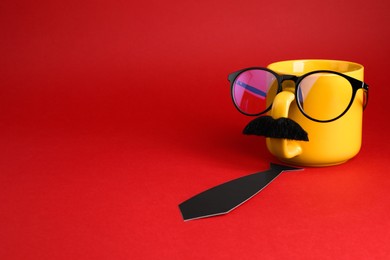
(276, 128)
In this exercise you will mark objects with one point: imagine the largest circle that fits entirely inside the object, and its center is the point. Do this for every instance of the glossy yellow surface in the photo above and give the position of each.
(329, 143)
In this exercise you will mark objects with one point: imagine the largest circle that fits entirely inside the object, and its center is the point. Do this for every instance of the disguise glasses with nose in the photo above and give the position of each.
(254, 89)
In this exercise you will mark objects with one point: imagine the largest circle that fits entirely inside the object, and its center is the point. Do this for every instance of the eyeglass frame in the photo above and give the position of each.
(355, 84)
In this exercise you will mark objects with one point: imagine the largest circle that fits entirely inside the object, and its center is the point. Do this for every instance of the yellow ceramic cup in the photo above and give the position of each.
(329, 143)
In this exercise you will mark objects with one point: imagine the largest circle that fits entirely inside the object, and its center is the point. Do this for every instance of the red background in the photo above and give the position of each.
(114, 112)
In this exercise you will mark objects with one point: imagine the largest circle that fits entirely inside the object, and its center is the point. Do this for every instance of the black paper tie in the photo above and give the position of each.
(224, 198)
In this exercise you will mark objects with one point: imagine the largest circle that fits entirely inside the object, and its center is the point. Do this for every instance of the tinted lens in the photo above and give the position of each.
(324, 96)
(251, 89)
(365, 98)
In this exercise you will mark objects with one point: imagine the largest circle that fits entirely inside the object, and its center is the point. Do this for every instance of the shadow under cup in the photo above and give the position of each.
(330, 143)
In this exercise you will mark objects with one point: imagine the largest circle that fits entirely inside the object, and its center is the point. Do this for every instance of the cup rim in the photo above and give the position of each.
(354, 68)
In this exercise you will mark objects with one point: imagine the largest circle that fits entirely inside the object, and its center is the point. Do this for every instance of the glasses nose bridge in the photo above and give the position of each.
(289, 77)
(288, 82)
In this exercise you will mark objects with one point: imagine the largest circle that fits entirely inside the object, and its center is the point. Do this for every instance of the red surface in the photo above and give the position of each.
(114, 112)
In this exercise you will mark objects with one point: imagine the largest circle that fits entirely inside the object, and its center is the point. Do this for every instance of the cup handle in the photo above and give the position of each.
(283, 148)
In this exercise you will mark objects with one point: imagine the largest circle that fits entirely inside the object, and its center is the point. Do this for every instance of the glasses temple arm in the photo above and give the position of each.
(365, 89)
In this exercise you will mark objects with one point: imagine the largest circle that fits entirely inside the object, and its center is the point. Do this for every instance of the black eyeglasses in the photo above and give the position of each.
(321, 95)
